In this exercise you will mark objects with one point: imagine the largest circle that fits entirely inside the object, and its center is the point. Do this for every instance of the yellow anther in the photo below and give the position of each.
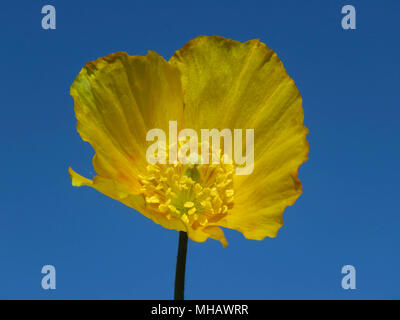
(152, 199)
(217, 202)
(173, 195)
(174, 209)
(206, 204)
(152, 168)
(183, 187)
(185, 219)
(229, 200)
(214, 192)
(202, 220)
(197, 188)
(229, 193)
(163, 208)
(159, 187)
(188, 204)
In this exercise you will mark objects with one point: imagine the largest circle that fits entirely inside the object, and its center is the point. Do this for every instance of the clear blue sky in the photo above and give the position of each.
(347, 214)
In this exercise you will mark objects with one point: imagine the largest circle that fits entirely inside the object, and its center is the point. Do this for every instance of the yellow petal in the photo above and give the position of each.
(216, 233)
(234, 85)
(119, 98)
(119, 192)
(201, 235)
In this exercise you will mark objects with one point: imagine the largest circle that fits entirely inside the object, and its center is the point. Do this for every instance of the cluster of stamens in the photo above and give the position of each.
(196, 193)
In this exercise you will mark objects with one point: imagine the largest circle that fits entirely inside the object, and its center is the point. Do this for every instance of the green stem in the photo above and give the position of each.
(181, 266)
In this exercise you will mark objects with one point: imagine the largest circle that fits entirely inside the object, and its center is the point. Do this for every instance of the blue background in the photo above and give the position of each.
(347, 214)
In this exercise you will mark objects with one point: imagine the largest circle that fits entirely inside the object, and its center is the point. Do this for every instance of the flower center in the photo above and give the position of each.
(195, 193)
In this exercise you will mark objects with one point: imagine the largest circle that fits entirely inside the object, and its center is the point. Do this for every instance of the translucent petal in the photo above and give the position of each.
(234, 85)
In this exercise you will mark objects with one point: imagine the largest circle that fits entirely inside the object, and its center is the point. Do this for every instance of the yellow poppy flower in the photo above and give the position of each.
(212, 82)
